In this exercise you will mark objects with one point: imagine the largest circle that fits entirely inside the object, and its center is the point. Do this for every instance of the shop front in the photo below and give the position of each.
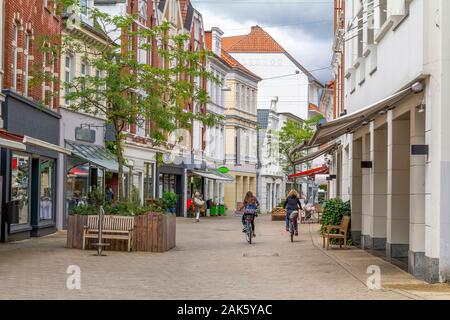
(211, 184)
(90, 167)
(29, 169)
(172, 178)
(141, 160)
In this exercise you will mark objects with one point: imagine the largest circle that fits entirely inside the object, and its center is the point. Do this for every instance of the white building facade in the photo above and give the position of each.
(215, 136)
(394, 162)
(271, 177)
(282, 75)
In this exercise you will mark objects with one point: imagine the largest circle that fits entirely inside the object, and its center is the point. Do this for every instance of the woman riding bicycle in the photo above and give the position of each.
(250, 204)
(292, 205)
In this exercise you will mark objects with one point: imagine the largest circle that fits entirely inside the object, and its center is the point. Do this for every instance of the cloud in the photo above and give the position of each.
(305, 29)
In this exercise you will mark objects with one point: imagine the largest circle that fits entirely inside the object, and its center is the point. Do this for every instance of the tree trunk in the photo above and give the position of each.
(121, 161)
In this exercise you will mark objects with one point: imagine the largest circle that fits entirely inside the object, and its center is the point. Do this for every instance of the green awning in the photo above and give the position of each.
(97, 155)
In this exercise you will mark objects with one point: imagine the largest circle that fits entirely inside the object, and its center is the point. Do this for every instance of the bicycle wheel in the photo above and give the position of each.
(291, 229)
(249, 233)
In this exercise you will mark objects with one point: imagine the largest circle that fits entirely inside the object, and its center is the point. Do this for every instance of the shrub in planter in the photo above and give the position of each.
(170, 200)
(333, 212)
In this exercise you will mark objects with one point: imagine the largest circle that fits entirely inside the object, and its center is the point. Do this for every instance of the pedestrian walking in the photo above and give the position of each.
(198, 204)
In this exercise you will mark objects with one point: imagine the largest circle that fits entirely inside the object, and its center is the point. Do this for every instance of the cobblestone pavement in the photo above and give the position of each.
(211, 261)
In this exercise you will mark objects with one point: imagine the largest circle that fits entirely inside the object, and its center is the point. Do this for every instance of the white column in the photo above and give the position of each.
(366, 207)
(378, 187)
(356, 188)
(398, 187)
(417, 197)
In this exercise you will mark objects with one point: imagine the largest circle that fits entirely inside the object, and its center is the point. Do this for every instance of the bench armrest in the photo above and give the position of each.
(329, 228)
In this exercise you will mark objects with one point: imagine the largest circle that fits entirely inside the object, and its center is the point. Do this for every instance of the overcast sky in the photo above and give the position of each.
(302, 27)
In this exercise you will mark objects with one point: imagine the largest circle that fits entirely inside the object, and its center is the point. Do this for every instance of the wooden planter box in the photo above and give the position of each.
(278, 214)
(153, 233)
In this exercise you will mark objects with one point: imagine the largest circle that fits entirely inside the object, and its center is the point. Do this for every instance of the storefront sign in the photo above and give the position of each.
(223, 170)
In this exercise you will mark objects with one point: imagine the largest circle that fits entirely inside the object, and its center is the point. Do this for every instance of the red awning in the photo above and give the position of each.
(312, 172)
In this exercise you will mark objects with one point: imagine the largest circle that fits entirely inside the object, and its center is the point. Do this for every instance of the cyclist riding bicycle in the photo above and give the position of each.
(292, 205)
(250, 206)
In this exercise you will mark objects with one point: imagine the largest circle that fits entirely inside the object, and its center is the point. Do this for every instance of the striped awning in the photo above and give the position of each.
(317, 154)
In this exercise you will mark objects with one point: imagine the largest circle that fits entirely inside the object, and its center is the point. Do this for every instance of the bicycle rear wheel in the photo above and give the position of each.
(291, 229)
(249, 233)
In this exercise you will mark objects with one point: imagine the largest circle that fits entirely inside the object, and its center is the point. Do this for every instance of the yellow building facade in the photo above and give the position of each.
(240, 132)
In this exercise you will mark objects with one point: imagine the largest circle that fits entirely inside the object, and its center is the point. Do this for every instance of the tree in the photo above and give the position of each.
(127, 92)
(292, 135)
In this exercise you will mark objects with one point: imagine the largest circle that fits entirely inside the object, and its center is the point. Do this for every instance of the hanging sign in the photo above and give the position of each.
(223, 170)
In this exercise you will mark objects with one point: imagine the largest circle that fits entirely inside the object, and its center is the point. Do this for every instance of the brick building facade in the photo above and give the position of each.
(26, 26)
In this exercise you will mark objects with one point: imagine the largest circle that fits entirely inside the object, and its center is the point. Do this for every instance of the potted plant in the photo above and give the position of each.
(170, 200)
(221, 209)
(214, 209)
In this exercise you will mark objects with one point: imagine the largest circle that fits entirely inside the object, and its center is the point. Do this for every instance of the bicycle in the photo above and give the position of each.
(249, 218)
(293, 224)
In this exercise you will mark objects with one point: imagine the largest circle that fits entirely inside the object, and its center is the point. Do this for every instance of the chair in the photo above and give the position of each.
(340, 235)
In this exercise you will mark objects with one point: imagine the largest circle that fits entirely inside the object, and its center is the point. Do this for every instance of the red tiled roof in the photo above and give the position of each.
(257, 40)
(229, 42)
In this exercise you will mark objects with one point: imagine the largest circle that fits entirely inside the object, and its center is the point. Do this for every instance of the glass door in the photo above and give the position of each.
(20, 186)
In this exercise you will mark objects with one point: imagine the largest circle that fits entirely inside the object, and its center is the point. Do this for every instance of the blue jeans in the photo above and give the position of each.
(288, 218)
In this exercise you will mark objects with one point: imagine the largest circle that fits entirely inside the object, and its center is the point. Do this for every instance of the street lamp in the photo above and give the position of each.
(286, 75)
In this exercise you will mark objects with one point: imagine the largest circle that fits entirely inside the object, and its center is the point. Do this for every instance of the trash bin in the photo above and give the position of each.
(12, 212)
(221, 210)
(214, 211)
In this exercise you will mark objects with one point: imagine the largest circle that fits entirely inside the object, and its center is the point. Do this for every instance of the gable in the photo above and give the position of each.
(257, 40)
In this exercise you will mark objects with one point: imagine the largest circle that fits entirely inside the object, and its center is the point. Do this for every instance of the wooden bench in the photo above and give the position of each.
(114, 227)
(341, 235)
(319, 212)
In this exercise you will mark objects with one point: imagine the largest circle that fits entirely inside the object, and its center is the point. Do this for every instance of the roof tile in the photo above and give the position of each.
(257, 40)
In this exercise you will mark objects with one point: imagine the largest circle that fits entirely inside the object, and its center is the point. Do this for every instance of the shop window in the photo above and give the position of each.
(47, 190)
(77, 185)
(148, 181)
(20, 185)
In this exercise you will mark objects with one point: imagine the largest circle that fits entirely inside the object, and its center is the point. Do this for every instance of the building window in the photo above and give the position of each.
(148, 181)
(20, 185)
(84, 73)
(52, 82)
(254, 101)
(143, 10)
(26, 63)
(248, 100)
(15, 58)
(68, 75)
(238, 95)
(44, 82)
(47, 190)
(243, 98)
(84, 6)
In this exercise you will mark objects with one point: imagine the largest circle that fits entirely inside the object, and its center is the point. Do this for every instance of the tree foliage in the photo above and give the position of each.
(161, 96)
(292, 135)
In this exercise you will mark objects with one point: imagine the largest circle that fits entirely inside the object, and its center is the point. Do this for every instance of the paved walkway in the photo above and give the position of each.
(211, 261)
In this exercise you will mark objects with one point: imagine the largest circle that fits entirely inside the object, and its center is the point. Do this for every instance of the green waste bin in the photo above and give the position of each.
(221, 210)
(213, 211)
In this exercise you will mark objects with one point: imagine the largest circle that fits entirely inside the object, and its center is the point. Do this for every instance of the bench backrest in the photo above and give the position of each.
(114, 223)
(344, 224)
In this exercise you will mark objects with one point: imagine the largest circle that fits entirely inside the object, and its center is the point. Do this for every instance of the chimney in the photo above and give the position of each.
(217, 41)
(273, 104)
